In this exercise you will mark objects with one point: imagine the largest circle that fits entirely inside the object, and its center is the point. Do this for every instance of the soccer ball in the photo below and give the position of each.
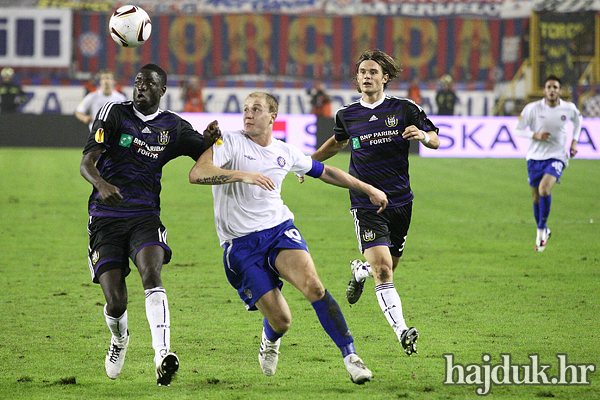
(130, 26)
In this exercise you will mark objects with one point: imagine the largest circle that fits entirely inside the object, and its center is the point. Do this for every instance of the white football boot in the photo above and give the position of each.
(115, 358)
(268, 355)
(359, 373)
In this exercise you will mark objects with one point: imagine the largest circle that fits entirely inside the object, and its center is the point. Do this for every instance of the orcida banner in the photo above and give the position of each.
(494, 137)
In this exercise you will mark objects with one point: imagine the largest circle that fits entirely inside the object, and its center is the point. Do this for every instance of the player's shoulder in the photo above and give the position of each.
(402, 101)
(349, 106)
(568, 104)
(118, 109)
(234, 138)
(538, 104)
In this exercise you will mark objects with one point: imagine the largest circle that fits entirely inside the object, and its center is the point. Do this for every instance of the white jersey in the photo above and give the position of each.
(541, 118)
(94, 101)
(241, 208)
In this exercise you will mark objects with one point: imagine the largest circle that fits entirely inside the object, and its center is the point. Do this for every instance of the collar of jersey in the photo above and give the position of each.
(146, 118)
(372, 106)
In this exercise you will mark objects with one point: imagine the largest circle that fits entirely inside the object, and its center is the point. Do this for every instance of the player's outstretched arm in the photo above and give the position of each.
(337, 177)
(204, 172)
(329, 149)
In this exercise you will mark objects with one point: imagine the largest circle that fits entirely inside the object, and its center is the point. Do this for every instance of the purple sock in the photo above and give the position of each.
(331, 318)
(269, 332)
(544, 210)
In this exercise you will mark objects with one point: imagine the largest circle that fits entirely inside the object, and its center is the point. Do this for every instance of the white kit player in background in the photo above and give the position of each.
(256, 230)
(93, 101)
(547, 155)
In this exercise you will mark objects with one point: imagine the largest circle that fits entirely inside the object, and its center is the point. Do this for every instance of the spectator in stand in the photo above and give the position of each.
(11, 94)
(320, 101)
(192, 95)
(414, 93)
(446, 98)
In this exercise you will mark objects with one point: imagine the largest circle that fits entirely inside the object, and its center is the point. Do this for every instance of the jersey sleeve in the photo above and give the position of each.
(524, 118)
(416, 116)
(84, 106)
(192, 142)
(340, 131)
(577, 120)
(104, 129)
(222, 153)
(301, 163)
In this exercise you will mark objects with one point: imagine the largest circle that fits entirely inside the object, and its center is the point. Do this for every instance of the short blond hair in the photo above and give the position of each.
(271, 100)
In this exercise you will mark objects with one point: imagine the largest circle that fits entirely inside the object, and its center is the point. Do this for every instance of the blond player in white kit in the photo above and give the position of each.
(261, 245)
(547, 155)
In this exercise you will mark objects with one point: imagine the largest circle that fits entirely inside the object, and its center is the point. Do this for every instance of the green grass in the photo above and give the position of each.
(469, 280)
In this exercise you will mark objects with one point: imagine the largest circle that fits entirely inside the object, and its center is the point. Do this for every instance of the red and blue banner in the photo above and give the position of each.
(306, 47)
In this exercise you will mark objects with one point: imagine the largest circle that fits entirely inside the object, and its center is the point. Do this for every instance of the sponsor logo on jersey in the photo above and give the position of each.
(163, 138)
(368, 236)
(146, 130)
(249, 157)
(391, 121)
(146, 150)
(125, 140)
(355, 143)
(373, 118)
(99, 135)
(281, 161)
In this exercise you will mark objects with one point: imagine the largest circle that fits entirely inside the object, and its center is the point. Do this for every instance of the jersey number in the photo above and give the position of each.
(294, 234)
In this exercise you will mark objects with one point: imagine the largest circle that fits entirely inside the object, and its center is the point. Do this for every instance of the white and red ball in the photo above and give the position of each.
(130, 26)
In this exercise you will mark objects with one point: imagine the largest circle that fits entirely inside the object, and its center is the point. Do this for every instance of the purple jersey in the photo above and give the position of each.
(134, 153)
(379, 153)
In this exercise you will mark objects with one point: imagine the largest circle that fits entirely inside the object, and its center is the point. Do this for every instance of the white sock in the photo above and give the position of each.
(157, 312)
(117, 326)
(390, 304)
(363, 272)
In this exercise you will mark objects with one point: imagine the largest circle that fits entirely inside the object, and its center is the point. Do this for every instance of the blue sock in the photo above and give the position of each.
(544, 210)
(536, 213)
(331, 318)
(269, 332)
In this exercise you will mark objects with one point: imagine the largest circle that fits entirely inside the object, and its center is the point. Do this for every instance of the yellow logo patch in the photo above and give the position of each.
(100, 135)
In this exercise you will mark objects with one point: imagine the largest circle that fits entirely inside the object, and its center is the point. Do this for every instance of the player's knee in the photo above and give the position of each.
(544, 191)
(281, 323)
(383, 272)
(314, 289)
(116, 307)
(150, 277)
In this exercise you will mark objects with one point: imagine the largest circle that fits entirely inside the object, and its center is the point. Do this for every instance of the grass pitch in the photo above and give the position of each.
(469, 281)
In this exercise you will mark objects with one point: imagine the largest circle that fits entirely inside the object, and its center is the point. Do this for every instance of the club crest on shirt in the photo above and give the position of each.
(163, 138)
(248, 293)
(281, 161)
(368, 236)
(95, 257)
(391, 121)
(563, 117)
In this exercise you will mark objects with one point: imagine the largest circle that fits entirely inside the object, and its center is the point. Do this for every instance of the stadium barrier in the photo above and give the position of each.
(461, 137)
